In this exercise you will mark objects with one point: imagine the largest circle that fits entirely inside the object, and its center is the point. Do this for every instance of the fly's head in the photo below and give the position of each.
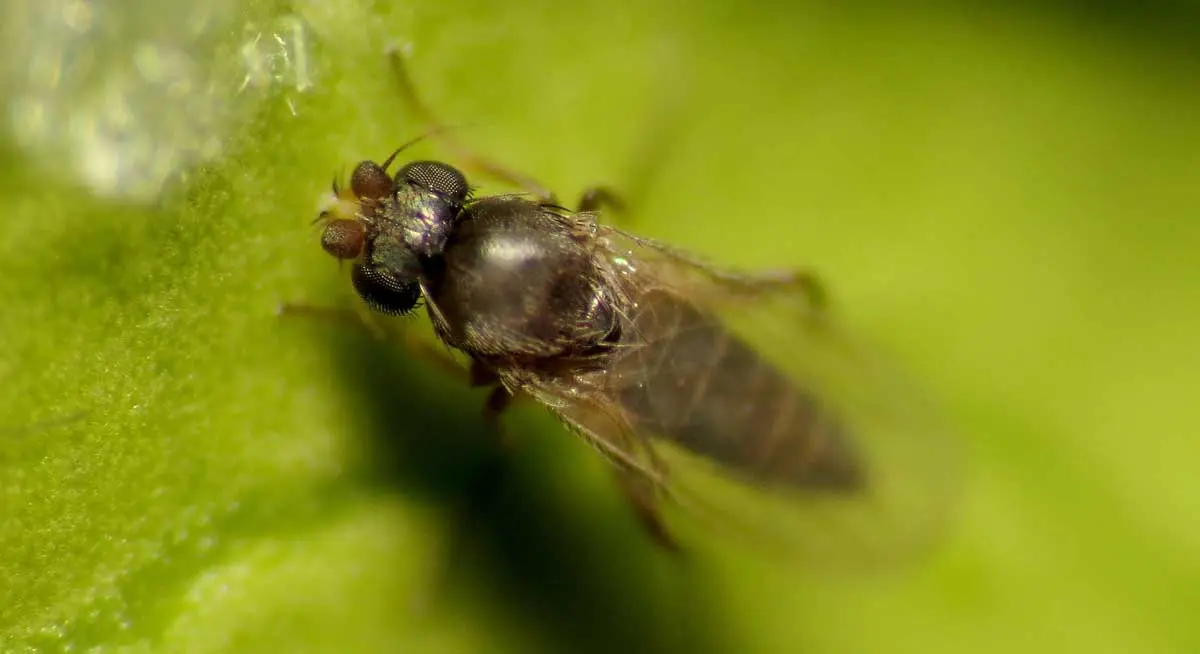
(387, 226)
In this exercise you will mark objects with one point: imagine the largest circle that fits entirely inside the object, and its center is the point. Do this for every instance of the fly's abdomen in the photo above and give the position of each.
(684, 377)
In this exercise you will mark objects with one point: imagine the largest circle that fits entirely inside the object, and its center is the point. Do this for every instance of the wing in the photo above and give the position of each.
(738, 399)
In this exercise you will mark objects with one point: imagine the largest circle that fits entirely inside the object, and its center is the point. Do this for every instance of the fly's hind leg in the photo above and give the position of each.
(455, 537)
(476, 497)
(466, 156)
(802, 282)
(644, 500)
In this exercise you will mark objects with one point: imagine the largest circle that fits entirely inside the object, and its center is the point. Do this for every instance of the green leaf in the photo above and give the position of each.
(1009, 205)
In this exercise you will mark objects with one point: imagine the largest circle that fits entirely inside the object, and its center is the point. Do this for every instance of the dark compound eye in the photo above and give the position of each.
(383, 292)
(343, 238)
(435, 176)
(370, 181)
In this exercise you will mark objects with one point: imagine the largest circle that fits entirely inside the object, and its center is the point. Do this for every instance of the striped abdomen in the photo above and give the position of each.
(683, 377)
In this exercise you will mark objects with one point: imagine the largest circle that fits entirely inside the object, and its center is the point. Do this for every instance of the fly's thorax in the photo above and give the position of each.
(515, 282)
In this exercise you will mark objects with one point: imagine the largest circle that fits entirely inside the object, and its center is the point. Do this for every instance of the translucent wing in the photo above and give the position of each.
(736, 399)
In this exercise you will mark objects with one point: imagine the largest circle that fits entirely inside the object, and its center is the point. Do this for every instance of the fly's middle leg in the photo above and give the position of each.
(465, 156)
(602, 198)
(497, 402)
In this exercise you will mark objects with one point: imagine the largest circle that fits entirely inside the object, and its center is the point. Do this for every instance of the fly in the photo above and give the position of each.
(732, 395)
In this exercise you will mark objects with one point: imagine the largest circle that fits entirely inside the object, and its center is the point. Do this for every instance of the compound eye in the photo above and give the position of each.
(383, 292)
(370, 181)
(435, 176)
(344, 238)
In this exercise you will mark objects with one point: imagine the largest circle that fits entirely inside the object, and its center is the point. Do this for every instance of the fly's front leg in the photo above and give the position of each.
(345, 318)
(466, 156)
(478, 375)
(362, 319)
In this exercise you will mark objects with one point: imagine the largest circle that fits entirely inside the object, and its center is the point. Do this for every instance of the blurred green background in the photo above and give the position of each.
(1004, 196)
